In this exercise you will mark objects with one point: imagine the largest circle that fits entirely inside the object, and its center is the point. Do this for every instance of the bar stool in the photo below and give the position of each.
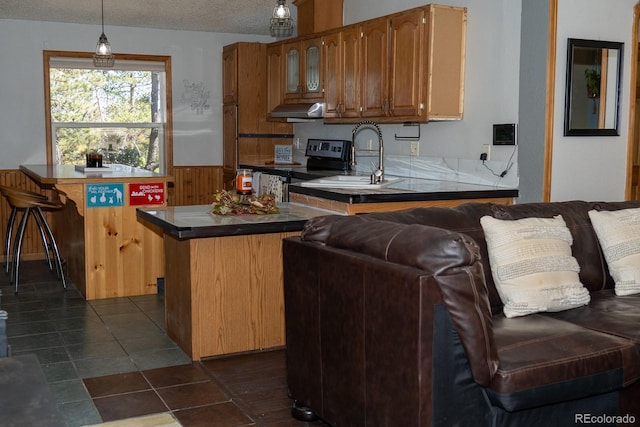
(11, 222)
(31, 204)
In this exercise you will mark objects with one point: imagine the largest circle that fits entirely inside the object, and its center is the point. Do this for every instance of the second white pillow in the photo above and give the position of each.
(619, 236)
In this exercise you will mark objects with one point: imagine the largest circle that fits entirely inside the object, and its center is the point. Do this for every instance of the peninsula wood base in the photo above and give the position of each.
(108, 252)
(225, 295)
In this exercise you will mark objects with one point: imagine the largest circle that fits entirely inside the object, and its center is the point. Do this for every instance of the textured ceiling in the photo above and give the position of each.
(224, 16)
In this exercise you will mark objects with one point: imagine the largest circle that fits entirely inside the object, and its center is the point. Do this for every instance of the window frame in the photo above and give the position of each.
(168, 125)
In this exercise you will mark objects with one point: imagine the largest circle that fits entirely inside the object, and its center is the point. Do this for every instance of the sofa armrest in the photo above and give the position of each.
(453, 259)
(428, 248)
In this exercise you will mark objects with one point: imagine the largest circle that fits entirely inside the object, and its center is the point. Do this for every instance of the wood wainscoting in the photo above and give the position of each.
(192, 185)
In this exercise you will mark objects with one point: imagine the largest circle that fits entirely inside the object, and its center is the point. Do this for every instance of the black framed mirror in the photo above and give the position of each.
(592, 99)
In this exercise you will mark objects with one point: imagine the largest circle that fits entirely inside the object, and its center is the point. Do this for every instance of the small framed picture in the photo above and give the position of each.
(283, 154)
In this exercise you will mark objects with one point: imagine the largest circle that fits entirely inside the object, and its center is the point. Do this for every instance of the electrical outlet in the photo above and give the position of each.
(414, 148)
(486, 151)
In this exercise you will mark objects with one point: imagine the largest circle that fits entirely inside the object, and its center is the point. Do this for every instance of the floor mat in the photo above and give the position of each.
(156, 420)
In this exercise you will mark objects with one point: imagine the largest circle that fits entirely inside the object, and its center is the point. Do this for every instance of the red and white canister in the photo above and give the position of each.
(244, 181)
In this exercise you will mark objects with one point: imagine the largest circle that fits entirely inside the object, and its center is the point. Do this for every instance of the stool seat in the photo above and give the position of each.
(30, 203)
(4, 190)
(22, 201)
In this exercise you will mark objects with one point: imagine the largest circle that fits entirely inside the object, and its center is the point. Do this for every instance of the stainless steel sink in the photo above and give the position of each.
(348, 181)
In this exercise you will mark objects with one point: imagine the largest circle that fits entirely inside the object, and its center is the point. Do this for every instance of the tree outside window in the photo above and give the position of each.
(119, 113)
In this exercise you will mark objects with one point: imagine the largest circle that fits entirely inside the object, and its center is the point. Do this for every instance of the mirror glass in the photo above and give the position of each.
(593, 87)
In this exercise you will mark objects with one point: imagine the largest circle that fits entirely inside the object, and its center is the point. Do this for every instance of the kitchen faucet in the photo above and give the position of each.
(378, 175)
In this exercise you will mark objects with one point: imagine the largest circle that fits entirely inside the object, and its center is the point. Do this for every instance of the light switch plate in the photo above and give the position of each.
(414, 148)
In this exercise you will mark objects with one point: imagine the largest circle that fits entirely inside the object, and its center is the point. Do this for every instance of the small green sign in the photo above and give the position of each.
(105, 195)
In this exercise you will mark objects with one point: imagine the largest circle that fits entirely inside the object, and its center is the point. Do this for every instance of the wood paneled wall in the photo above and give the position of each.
(193, 185)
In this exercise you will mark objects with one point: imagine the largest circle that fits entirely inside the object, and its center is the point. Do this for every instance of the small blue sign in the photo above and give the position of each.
(105, 195)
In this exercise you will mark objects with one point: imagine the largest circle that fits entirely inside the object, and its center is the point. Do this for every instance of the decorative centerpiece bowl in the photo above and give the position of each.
(231, 203)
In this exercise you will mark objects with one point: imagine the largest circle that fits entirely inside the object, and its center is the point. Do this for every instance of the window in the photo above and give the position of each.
(122, 112)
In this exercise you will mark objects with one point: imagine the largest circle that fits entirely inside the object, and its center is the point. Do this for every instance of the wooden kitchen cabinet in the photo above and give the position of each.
(392, 56)
(331, 69)
(408, 58)
(374, 57)
(341, 71)
(302, 66)
(275, 77)
(446, 40)
(403, 67)
(229, 75)
(391, 52)
(230, 146)
(248, 137)
(315, 16)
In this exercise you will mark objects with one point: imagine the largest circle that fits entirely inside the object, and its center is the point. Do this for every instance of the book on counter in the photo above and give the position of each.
(86, 169)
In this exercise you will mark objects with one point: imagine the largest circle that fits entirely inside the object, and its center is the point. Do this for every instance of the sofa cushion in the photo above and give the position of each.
(608, 313)
(544, 359)
(532, 265)
(619, 236)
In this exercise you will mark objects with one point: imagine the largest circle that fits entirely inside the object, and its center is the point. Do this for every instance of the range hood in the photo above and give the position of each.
(307, 110)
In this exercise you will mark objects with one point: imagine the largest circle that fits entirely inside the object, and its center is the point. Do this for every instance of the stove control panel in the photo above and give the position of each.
(328, 149)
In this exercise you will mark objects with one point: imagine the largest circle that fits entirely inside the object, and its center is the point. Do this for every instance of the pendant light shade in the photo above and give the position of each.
(281, 20)
(103, 57)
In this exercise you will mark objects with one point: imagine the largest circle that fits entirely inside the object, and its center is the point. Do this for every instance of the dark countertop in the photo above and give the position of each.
(196, 221)
(407, 190)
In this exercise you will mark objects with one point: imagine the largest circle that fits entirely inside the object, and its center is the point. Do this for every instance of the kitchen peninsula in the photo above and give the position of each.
(223, 282)
(108, 253)
(406, 193)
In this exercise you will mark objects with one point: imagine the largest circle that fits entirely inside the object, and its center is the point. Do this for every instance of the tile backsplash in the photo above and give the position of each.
(468, 171)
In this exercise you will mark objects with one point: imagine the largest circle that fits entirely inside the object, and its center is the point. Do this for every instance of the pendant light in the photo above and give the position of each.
(103, 57)
(281, 20)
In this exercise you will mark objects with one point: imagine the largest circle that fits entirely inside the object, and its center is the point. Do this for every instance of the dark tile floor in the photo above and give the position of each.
(111, 359)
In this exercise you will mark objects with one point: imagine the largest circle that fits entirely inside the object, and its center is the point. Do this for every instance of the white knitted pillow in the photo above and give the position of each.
(532, 265)
(619, 236)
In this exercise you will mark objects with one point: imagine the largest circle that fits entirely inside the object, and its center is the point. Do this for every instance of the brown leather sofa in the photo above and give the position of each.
(393, 319)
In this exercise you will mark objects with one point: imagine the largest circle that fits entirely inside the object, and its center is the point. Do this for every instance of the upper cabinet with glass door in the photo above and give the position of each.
(303, 80)
(407, 66)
